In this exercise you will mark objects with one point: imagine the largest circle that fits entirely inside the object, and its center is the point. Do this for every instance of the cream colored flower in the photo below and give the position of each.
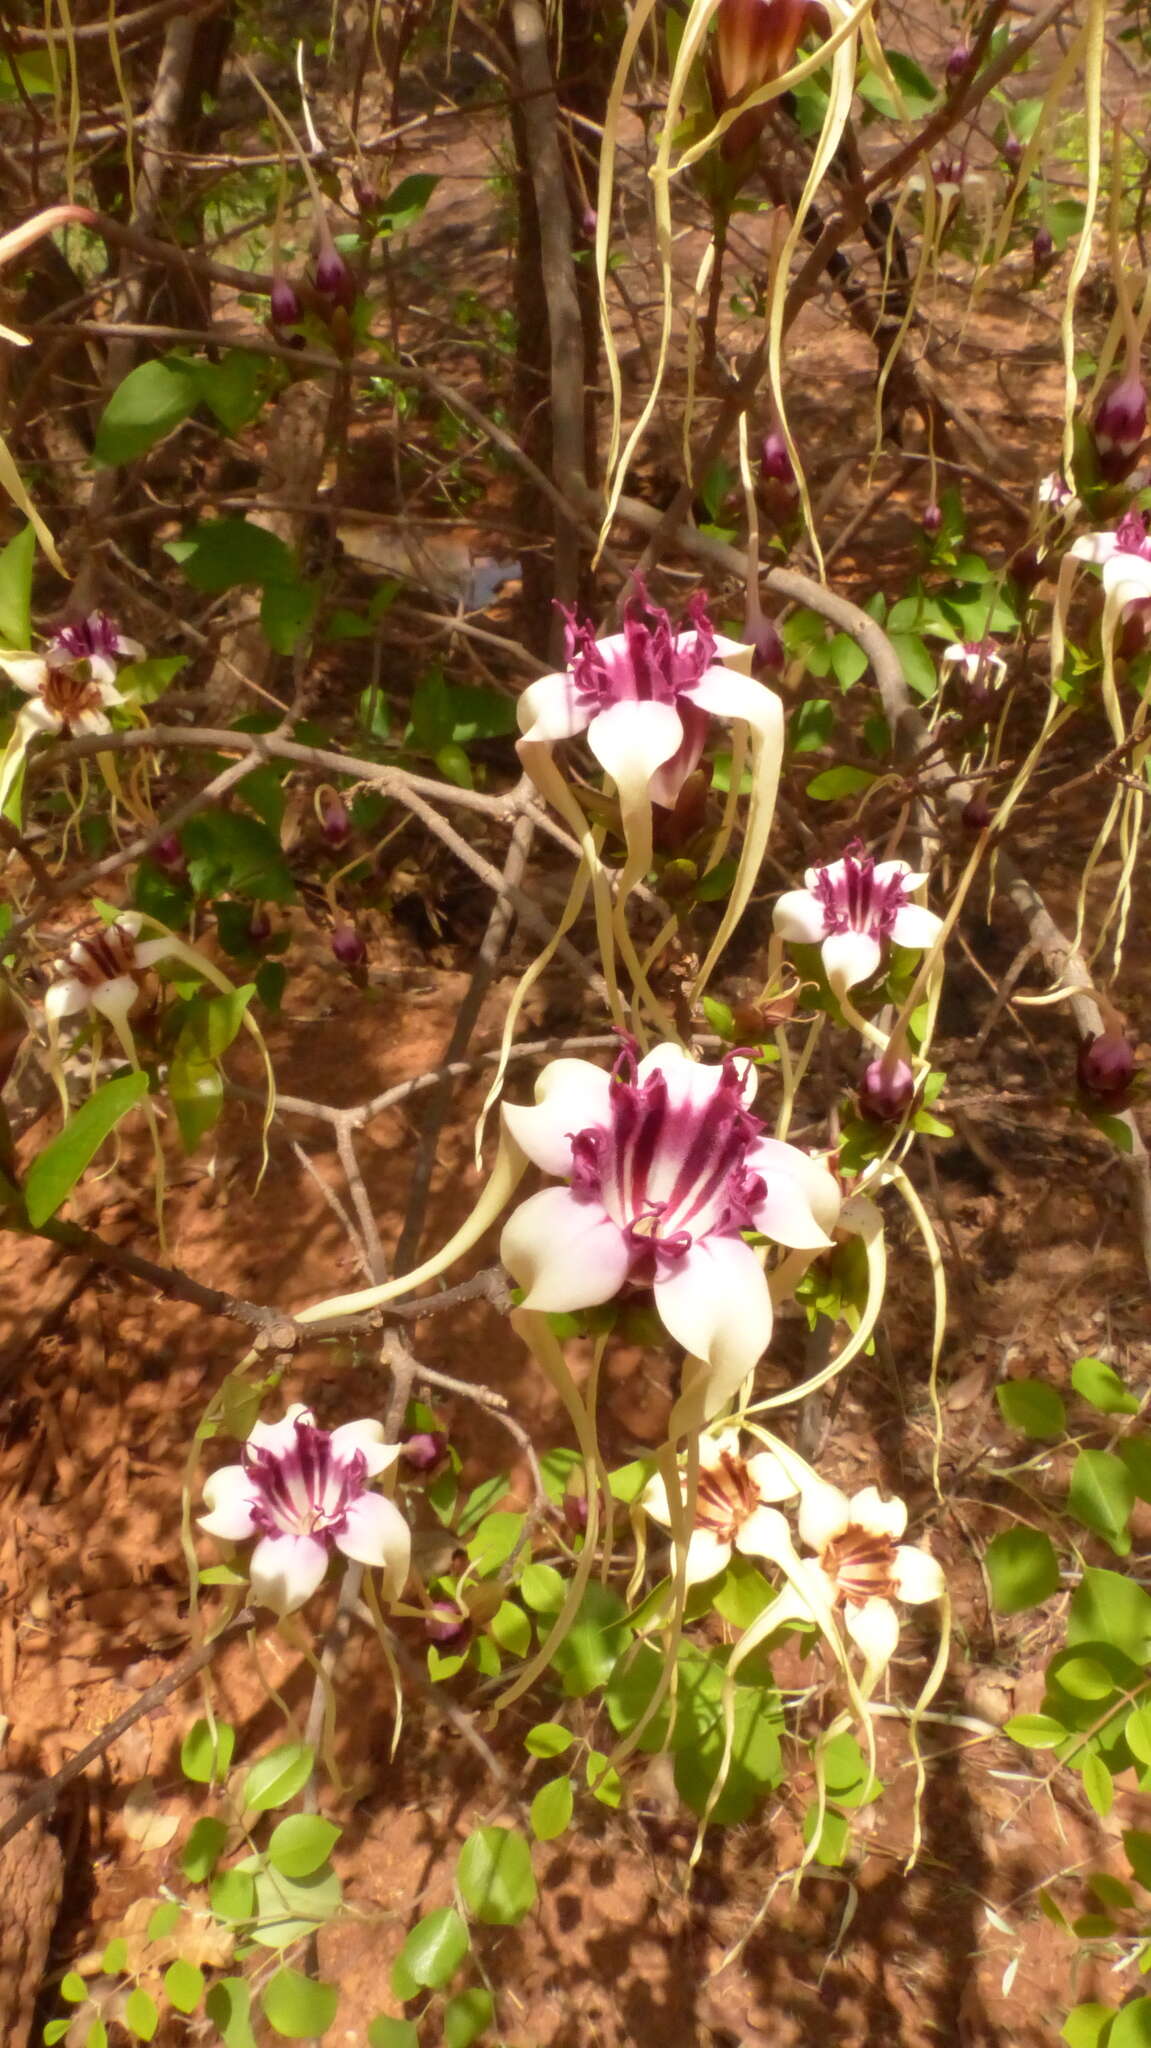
(732, 1510)
(861, 1567)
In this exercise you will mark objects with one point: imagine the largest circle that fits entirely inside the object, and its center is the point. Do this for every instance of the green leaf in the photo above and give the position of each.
(454, 765)
(301, 1843)
(55, 1172)
(494, 1541)
(837, 782)
(144, 681)
(1035, 1731)
(495, 1876)
(1084, 1678)
(389, 2033)
(17, 561)
(548, 1739)
(220, 554)
(543, 1589)
(1135, 1452)
(210, 1024)
(232, 851)
(140, 2014)
(231, 387)
(846, 1775)
(233, 1895)
(97, 2035)
(184, 1985)
(1023, 1569)
(1137, 1732)
(1111, 1892)
(834, 1835)
(1065, 218)
(756, 1763)
(55, 2031)
(1088, 2026)
(551, 1809)
(604, 1783)
(403, 207)
(467, 2016)
(228, 2005)
(918, 667)
(1032, 1407)
(286, 614)
(742, 1593)
(163, 1918)
(278, 1776)
(73, 1987)
(589, 1651)
(1132, 2028)
(1138, 1847)
(848, 660)
(918, 92)
(1098, 1783)
(289, 1909)
(298, 2007)
(153, 398)
(1108, 1608)
(115, 1957)
(1101, 1385)
(206, 1753)
(1101, 1496)
(195, 1089)
(202, 1849)
(511, 1629)
(435, 1948)
(811, 726)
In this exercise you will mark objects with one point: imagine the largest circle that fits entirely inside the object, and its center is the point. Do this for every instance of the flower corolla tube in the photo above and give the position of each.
(304, 1491)
(851, 909)
(666, 1168)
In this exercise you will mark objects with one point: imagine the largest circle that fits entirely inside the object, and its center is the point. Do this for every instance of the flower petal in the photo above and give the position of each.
(802, 1203)
(367, 1437)
(707, 1554)
(868, 1510)
(114, 998)
(631, 740)
(918, 1576)
(565, 1253)
(230, 1494)
(148, 951)
(571, 1096)
(280, 1437)
(551, 709)
(824, 1512)
(799, 916)
(850, 957)
(285, 1571)
(916, 927)
(654, 1502)
(375, 1533)
(769, 1479)
(1094, 547)
(1127, 577)
(66, 997)
(715, 1301)
(765, 1534)
(875, 1628)
(28, 671)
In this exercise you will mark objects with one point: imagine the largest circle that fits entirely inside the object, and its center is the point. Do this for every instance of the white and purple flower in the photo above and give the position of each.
(304, 1490)
(103, 972)
(851, 909)
(71, 687)
(1125, 557)
(644, 696)
(666, 1169)
(733, 1507)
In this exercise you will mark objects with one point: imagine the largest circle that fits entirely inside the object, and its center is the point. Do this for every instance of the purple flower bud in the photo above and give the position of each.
(286, 309)
(334, 280)
(169, 855)
(348, 947)
(446, 1624)
(335, 823)
(1012, 152)
(589, 221)
(885, 1095)
(768, 657)
(775, 464)
(976, 813)
(1105, 1069)
(1119, 427)
(259, 927)
(958, 62)
(424, 1450)
(574, 1509)
(366, 194)
(1042, 246)
(932, 519)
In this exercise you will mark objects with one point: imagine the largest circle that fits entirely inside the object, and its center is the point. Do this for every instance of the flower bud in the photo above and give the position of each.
(932, 519)
(957, 62)
(347, 946)
(1012, 152)
(574, 1510)
(286, 309)
(1119, 427)
(424, 1449)
(169, 855)
(775, 464)
(1042, 247)
(976, 813)
(259, 927)
(446, 1624)
(366, 194)
(589, 221)
(334, 279)
(885, 1094)
(332, 811)
(754, 42)
(1105, 1069)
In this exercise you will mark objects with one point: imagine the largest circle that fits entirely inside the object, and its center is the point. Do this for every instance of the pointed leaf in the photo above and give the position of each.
(55, 1172)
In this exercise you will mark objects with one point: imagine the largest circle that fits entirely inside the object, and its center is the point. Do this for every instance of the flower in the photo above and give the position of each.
(981, 666)
(850, 909)
(1105, 1068)
(861, 1566)
(1055, 491)
(731, 1506)
(666, 1168)
(103, 971)
(643, 696)
(302, 1490)
(1125, 556)
(886, 1093)
(73, 685)
(1119, 427)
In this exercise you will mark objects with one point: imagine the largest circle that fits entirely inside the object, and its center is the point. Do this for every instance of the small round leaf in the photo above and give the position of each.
(140, 2014)
(466, 2016)
(495, 1876)
(301, 1843)
(551, 1810)
(297, 2006)
(435, 1948)
(278, 1776)
(184, 1984)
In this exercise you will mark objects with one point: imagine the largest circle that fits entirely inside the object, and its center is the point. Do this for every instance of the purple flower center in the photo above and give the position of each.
(95, 635)
(670, 1173)
(104, 956)
(658, 662)
(853, 899)
(1131, 536)
(307, 1490)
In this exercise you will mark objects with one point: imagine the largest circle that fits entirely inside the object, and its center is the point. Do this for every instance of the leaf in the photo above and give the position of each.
(1032, 1407)
(233, 1895)
(846, 1775)
(289, 1909)
(1088, 2026)
(210, 1024)
(300, 1844)
(1098, 1783)
(184, 1985)
(551, 1809)
(1132, 2028)
(836, 782)
(811, 726)
(592, 1646)
(511, 1629)
(435, 1948)
(756, 1762)
(1084, 1678)
(73, 1987)
(230, 850)
(195, 1089)
(1138, 1847)
(140, 2014)
(17, 561)
(548, 1739)
(206, 1753)
(403, 207)
(1101, 1385)
(1135, 1452)
(1022, 1568)
(163, 1919)
(297, 2006)
(834, 1835)
(115, 1957)
(495, 1876)
(1109, 1608)
(915, 659)
(153, 398)
(220, 554)
(494, 1540)
(278, 1777)
(227, 2005)
(1137, 1732)
(389, 2033)
(604, 1783)
(286, 613)
(467, 2016)
(55, 1172)
(231, 387)
(202, 1849)
(543, 1589)
(1101, 1496)
(1035, 1731)
(848, 660)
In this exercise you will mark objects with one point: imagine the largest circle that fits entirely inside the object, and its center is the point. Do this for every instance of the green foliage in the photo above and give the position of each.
(278, 1776)
(495, 1876)
(1023, 1569)
(298, 2007)
(1032, 1407)
(17, 561)
(467, 2016)
(55, 1171)
(433, 1951)
(551, 1809)
(206, 1751)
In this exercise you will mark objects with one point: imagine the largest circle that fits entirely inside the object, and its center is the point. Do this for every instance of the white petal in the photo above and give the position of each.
(28, 671)
(707, 1554)
(367, 1437)
(114, 998)
(716, 1446)
(727, 694)
(565, 1253)
(1094, 547)
(918, 1576)
(801, 1207)
(148, 951)
(916, 927)
(889, 870)
(129, 650)
(36, 718)
(653, 1501)
(715, 1301)
(799, 916)
(1128, 577)
(631, 740)
(769, 1479)
(66, 997)
(229, 1493)
(132, 922)
(850, 957)
(824, 1512)
(571, 1096)
(875, 1628)
(765, 1534)
(549, 710)
(868, 1510)
(90, 721)
(690, 1083)
(280, 1437)
(376, 1533)
(285, 1571)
